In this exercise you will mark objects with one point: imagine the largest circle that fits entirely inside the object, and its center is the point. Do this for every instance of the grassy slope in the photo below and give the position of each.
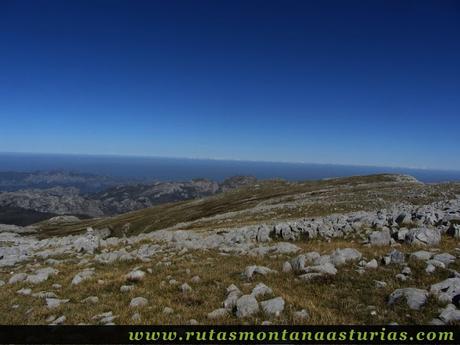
(268, 201)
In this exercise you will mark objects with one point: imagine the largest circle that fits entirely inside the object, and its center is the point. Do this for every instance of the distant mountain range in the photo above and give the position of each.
(26, 198)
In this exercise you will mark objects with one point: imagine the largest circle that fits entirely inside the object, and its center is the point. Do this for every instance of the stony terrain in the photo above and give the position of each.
(365, 250)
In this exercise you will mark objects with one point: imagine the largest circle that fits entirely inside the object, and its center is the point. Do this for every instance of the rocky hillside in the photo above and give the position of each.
(365, 250)
(27, 206)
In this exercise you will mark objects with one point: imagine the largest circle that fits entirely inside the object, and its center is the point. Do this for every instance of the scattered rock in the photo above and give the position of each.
(415, 298)
(83, 275)
(380, 238)
(301, 315)
(423, 236)
(168, 310)
(246, 306)
(126, 288)
(18, 277)
(138, 302)
(422, 255)
(250, 271)
(446, 290)
(135, 276)
(218, 314)
(52, 303)
(185, 288)
(342, 256)
(91, 300)
(273, 307)
(373, 264)
(261, 290)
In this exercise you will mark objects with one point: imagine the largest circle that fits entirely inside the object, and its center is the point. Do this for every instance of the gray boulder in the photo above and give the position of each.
(273, 307)
(250, 271)
(246, 305)
(342, 256)
(380, 238)
(423, 236)
(415, 298)
(446, 290)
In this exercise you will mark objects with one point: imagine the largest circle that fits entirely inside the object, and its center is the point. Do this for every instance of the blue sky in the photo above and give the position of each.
(346, 82)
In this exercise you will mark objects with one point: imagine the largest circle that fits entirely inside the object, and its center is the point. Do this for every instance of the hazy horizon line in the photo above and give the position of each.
(224, 159)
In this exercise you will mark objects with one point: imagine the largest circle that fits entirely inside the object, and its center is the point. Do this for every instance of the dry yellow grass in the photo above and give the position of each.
(341, 299)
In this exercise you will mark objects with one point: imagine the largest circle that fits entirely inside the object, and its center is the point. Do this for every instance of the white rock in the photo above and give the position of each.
(342, 256)
(91, 300)
(60, 320)
(373, 264)
(422, 255)
(168, 310)
(126, 288)
(446, 289)
(18, 277)
(287, 267)
(195, 280)
(217, 314)
(135, 276)
(185, 288)
(261, 290)
(138, 302)
(415, 298)
(246, 306)
(52, 303)
(301, 315)
(273, 307)
(250, 271)
(24, 292)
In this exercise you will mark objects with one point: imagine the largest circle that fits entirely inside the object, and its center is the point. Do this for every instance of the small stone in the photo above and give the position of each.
(24, 292)
(136, 317)
(91, 300)
(52, 303)
(60, 320)
(135, 276)
(401, 277)
(287, 267)
(195, 280)
(138, 302)
(168, 310)
(380, 284)
(261, 290)
(185, 288)
(301, 315)
(430, 269)
(373, 264)
(19, 277)
(126, 288)
(218, 314)
(406, 271)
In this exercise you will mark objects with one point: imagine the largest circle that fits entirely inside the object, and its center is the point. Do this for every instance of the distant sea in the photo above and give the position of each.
(153, 168)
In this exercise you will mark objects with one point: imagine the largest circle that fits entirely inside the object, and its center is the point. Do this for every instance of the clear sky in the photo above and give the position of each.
(350, 82)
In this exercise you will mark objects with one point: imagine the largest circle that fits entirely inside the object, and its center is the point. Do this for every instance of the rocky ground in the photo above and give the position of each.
(397, 264)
